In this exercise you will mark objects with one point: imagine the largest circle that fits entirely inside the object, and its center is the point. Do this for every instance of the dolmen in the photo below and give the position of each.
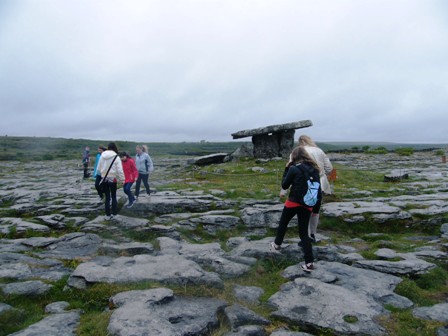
(273, 141)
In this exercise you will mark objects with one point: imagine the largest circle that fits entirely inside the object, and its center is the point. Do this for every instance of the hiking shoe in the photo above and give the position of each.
(275, 247)
(307, 267)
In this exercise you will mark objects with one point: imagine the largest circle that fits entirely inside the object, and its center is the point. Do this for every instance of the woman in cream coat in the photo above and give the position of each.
(325, 168)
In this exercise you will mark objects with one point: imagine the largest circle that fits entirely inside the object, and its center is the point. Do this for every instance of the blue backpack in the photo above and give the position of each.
(311, 194)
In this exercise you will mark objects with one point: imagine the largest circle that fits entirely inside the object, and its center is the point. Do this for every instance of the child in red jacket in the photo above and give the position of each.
(130, 175)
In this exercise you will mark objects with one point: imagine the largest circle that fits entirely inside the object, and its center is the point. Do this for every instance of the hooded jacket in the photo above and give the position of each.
(130, 171)
(116, 171)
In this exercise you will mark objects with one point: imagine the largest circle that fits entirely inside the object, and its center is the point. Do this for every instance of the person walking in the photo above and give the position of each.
(295, 176)
(130, 175)
(86, 161)
(145, 166)
(325, 168)
(96, 173)
(111, 166)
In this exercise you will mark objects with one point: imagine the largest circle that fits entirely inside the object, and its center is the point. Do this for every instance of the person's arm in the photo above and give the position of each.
(150, 165)
(328, 167)
(120, 172)
(288, 174)
(134, 171)
(100, 168)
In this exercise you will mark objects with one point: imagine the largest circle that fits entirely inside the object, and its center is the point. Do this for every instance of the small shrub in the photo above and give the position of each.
(413, 292)
(406, 151)
(436, 279)
(350, 319)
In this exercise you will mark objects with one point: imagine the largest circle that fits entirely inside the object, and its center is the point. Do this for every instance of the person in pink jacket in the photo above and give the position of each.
(130, 175)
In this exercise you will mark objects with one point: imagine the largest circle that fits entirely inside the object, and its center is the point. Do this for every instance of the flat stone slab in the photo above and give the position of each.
(54, 325)
(163, 203)
(209, 159)
(438, 312)
(356, 211)
(409, 265)
(170, 269)
(158, 312)
(272, 129)
(379, 286)
(30, 288)
(314, 305)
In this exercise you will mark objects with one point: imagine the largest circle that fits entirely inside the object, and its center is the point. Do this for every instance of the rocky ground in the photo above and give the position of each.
(346, 294)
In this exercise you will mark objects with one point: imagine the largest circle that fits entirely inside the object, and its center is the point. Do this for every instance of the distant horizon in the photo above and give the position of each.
(248, 139)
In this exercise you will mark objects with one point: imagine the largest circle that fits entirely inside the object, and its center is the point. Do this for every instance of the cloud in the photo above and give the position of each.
(200, 70)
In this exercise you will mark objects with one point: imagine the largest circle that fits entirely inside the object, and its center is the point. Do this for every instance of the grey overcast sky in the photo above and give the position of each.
(191, 70)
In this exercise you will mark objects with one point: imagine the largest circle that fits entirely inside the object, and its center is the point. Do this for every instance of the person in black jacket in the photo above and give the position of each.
(298, 170)
(86, 161)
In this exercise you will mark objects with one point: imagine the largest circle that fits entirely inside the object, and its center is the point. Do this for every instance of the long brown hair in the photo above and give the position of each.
(300, 154)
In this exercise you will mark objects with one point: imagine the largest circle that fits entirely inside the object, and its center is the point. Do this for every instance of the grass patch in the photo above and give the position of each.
(410, 289)
(236, 178)
(94, 323)
(403, 323)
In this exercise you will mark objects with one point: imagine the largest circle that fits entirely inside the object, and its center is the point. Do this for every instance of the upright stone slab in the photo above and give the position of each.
(273, 141)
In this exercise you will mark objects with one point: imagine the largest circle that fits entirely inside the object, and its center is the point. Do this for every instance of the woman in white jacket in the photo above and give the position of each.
(325, 168)
(109, 158)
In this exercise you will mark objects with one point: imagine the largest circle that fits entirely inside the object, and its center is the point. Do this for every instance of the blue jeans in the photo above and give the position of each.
(142, 177)
(127, 190)
(303, 218)
(110, 190)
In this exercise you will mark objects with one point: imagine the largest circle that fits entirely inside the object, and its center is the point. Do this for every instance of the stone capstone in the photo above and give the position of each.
(273, 141)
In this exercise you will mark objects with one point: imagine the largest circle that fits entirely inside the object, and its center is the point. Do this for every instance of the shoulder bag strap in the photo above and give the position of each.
(110, 166)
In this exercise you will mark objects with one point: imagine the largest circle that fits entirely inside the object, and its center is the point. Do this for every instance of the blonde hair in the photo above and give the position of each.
(305, 140)
(300, 154)
(144, 148)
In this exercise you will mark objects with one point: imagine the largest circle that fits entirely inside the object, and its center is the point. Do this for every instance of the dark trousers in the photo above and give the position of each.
(110, 190)
(97, 186)
(303, 218)
(127, 190)
(86, 170)
(140, 178)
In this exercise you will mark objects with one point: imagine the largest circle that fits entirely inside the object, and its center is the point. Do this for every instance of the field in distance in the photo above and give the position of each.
(46, 148)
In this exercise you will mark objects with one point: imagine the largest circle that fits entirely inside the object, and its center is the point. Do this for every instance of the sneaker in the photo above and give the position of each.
(111, 217)
(130, 205)
(313, 238)
(307, 267)
(275, 247)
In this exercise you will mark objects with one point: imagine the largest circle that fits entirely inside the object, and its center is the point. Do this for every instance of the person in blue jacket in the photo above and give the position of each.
(96, 173)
